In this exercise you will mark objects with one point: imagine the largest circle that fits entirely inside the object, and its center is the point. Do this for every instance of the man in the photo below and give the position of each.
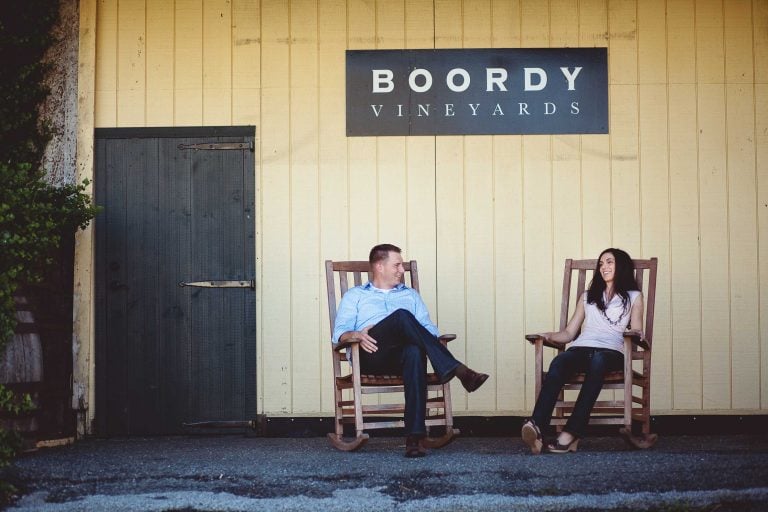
(396, 337)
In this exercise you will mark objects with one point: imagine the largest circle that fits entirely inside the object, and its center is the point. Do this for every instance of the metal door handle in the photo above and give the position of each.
(222, 284)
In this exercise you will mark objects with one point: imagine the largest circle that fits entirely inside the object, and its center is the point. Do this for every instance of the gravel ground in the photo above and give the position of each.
(233, 473)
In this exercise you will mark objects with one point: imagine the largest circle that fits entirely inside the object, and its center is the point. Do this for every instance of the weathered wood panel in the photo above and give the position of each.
(333, 169)
(276, 382)
(761, 163)
(742, 206)
(450, 210)
(160, 24)
(188, 64)
(305, 209)
(105, 98)
(169, 354)
(217, 62)
(681, 175)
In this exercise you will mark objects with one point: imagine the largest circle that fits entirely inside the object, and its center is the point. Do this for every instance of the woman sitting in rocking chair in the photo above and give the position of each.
(610, 304)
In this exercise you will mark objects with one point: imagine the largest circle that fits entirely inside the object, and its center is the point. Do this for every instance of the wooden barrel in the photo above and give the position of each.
(21, 370)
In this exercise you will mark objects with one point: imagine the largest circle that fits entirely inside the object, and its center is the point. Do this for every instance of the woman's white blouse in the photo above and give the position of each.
(605, 330)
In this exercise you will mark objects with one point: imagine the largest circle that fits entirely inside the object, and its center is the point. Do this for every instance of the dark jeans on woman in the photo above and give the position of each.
(595, 363)
(404, 346)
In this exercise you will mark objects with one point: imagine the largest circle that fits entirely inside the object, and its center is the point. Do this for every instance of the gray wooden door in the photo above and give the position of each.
(178, 208)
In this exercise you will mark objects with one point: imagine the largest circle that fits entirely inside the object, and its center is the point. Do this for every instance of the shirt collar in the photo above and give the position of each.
(369, 286)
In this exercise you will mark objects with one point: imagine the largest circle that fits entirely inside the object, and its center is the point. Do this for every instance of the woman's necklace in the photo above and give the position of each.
(624, 310)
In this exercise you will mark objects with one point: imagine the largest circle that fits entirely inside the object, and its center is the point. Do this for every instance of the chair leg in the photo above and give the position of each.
(439, 442)
(640, 442)
(450, 432)
(339, 412)
(350, 445)
(645, 439)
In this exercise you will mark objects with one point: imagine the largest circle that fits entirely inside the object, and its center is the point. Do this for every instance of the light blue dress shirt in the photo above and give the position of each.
(367, 305)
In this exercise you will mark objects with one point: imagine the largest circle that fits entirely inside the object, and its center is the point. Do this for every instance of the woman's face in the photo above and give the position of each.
(607, 267)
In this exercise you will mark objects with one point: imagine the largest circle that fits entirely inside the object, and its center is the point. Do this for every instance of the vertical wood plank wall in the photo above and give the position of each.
(683, 175)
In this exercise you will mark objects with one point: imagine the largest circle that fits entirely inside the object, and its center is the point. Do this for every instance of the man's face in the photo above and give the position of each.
(390, 270)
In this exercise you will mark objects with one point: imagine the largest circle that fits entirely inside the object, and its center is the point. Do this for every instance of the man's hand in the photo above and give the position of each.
(367, 343)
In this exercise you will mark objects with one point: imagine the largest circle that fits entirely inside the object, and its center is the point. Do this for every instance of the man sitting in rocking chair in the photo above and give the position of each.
(396, 336)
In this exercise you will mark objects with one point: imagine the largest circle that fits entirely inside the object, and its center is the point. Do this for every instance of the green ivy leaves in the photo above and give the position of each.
(33, 215)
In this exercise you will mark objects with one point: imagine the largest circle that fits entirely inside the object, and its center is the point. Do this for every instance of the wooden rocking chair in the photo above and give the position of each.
(633, 408)
(351, 410)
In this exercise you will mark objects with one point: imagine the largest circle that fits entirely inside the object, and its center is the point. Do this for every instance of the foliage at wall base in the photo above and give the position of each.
(10, 441)
(32, 216)
(33, 213)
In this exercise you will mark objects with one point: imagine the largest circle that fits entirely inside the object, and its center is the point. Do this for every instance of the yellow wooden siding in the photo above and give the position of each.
(305, 208)
(332, 168)
(217, 62)
(761, 163)
(131, 63)
(760, 45)
(682, 359)
(655, 184)
(509, 310)
(449, 210)
(683, 175)
(275, 321)
(105, 97)
(159, 62)
(742, 207)
(188, 64)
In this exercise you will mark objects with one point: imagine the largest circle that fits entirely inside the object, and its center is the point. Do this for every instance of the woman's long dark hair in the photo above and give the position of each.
(623, 280)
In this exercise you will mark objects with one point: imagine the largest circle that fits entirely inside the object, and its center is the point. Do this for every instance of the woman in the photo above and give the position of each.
(611, 303)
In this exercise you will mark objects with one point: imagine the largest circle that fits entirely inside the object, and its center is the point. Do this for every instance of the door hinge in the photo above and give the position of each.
(208, 146)
(221, 284)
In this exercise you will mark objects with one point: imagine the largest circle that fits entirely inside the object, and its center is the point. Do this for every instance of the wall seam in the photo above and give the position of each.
(117, 64)
(173, 72)
(728, 207)
(670, 262)
(145, 63)
(760, 375)
(698, 202)
(289, 6)
(318, 186)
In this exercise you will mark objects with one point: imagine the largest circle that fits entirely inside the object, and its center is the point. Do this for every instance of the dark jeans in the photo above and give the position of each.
(404, 346)
(595, 363)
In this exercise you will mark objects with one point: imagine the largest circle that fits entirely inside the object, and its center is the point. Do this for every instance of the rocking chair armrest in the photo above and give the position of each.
(533, 338)
(346, 343)
(637, 338)
(446, 337)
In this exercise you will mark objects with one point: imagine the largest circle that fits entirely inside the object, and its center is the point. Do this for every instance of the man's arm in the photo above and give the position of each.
(422, 314)
(346, 323)
(346, 315)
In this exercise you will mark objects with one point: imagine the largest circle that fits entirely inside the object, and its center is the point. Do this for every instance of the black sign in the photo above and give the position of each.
(477, 92)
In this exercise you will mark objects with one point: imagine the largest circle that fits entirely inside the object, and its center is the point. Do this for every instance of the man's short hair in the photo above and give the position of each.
(381, 252)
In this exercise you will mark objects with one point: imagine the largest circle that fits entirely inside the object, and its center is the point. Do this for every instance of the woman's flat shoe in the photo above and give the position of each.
(532, 437)
(556, 447)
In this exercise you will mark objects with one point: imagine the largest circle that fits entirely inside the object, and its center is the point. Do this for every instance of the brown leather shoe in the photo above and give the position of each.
(470, 379)
(413, 447)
